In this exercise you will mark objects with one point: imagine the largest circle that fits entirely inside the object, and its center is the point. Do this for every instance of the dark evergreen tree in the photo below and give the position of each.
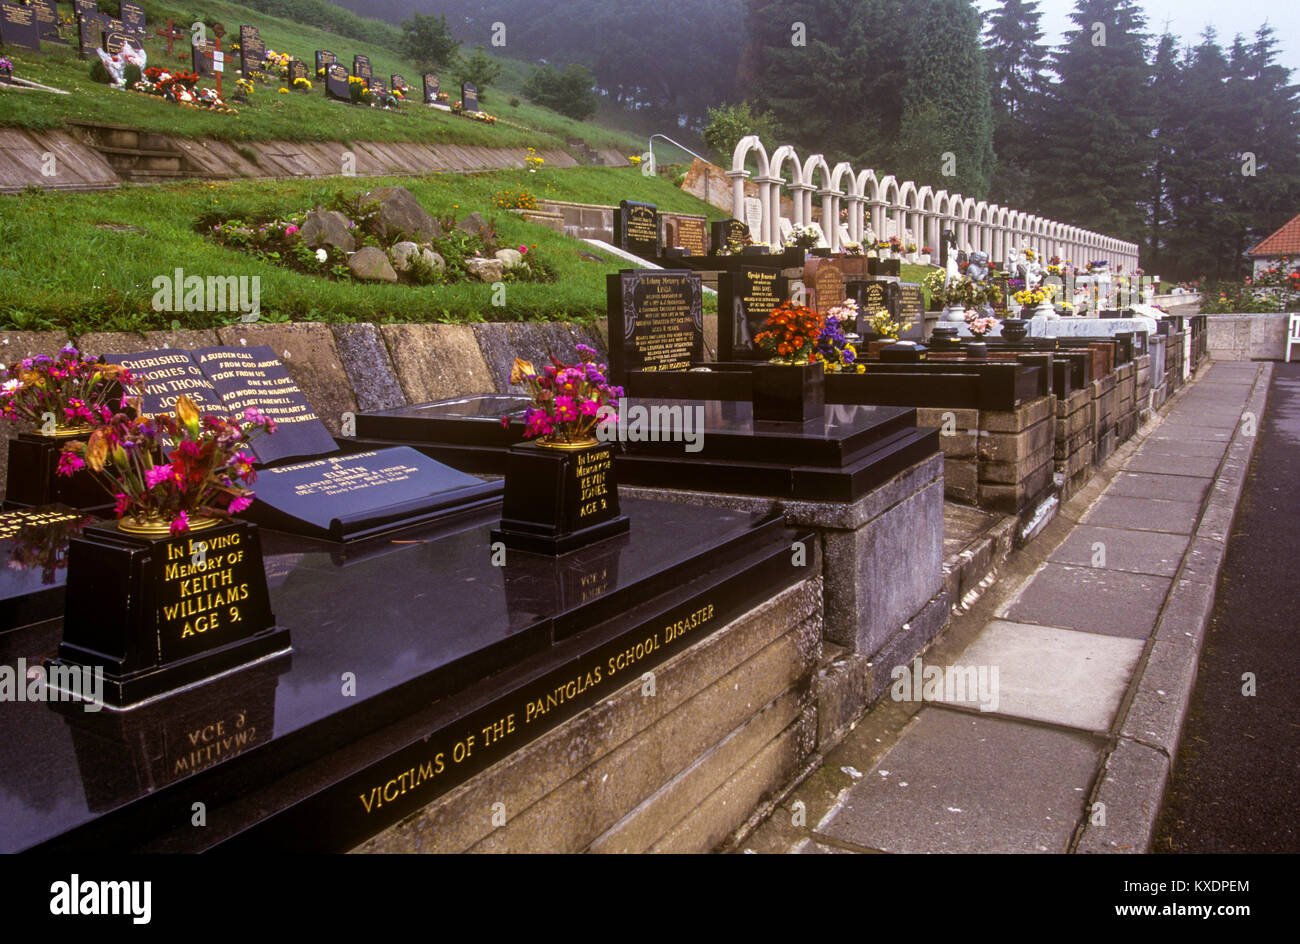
(1016, 62)
(1164, 93)
(1095, 151)
(946, 104)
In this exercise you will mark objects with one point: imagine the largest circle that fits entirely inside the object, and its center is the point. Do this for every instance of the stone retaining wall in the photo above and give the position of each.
(1001, 460)
(678, 771)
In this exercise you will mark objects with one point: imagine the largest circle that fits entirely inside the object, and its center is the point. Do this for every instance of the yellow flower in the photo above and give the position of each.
(284, 91)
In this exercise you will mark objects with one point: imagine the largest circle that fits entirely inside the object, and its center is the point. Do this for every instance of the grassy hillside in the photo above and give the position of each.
(294, 116)
(86, 261)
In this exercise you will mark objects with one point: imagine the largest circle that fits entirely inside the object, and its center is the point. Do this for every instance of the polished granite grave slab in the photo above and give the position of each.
(421, 624)
(34, 562)
(718, 445)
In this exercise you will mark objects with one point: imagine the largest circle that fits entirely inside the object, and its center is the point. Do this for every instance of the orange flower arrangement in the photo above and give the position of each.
(790, 333)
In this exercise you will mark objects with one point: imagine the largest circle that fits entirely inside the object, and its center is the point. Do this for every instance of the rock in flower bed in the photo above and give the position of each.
(381, 236)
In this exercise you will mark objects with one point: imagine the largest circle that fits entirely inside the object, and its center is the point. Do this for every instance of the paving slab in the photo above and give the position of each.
(957, 782)
(1144, 514)
(1188, 432)
(1188, 488)
(1058, 676)
(1214, 448)
(1200, 466)
(1109, 602)
(1137, 552)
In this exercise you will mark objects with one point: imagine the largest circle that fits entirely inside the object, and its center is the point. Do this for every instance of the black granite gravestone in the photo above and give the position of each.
(18, 27)
(745, 298)
(727, 233)
(362, 69)
(656, 320)
(133, 20)
(469, 96)
(252, 50)
(324, 59)
(47, 17)
(378, 87)
(297, 70)
(397, 83)
(230, 380)
(347, 495)
(88, 32)
(336, 82)
(202, 57)
(431, 88)
(636, 228)
(113, 34)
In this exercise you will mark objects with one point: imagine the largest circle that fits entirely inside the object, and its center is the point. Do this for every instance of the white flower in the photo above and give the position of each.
(322, 255)
(11, 386)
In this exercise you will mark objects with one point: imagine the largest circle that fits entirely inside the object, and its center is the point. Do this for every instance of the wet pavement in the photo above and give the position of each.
(1236, 783)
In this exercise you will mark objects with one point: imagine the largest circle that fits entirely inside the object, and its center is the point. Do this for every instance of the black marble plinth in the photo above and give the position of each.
(788, 393)
(404, 648)
(157, 614)
(558, 500)
(838, 455)
(33, 479)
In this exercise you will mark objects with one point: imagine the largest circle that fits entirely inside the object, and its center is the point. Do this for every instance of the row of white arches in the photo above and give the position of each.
(891, 207)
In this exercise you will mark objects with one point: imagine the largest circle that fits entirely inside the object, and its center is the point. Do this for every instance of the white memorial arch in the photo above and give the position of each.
(885, 206)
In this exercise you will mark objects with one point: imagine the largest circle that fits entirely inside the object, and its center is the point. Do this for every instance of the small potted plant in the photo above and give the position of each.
(791, 386)
(833, 349)
(171, 474)
(560, 491)
(6, 70)
(569, 400)
(980, 324)
(926, 255)
(61, 396)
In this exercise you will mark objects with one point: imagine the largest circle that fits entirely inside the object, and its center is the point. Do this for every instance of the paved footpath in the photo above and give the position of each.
(1094, 632)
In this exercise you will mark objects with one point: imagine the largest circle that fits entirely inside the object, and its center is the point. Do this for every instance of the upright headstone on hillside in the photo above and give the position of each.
(636, 228)
(378, 87)
(361, 68)
(88, 30)
(18, 27)
(431, 88)
(113, 34)
(133, 21)
(297, 70)
(336, 82)
(47, 19)
(252, 50)
(397, 83)
(324, 59)
(469, 96)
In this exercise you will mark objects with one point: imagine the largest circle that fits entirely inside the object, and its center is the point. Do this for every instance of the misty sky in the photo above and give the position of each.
(1186, 19)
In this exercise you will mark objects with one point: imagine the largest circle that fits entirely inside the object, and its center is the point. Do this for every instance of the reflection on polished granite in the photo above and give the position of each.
(34, 561)
(412, 618)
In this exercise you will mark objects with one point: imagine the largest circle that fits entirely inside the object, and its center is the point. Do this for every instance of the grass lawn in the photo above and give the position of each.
(86, 261)
(296, 116)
